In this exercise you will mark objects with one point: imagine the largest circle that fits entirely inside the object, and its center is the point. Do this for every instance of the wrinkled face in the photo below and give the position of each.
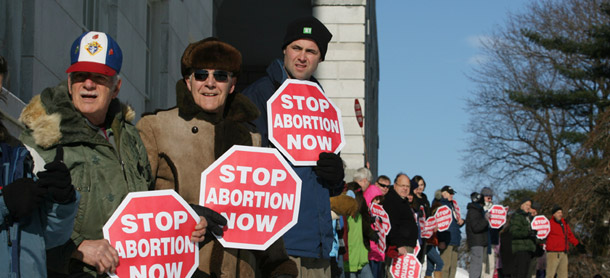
(384, 185)
(301, 58)
(91, 94)
(209, 93)
(558, 215)
(526, 206)
(402, 186)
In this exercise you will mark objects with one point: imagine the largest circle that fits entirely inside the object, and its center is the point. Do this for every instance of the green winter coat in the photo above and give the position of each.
(521, 231)
(102, 174)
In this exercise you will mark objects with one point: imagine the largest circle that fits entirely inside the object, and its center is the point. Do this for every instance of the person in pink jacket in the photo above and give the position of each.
(376, 257)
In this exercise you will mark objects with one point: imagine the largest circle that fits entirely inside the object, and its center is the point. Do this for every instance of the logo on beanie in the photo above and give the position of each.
(307, 30)
(94, 48)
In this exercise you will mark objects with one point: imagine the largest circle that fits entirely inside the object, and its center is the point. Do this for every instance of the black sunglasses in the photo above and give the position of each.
(384, 185)
(219, 75)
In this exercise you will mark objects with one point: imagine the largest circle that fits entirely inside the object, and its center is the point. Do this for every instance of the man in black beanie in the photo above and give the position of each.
(309, 242)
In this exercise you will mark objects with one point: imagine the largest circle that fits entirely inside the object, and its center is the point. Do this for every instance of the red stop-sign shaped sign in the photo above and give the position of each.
(443, 218)
(429, 226)
(303, 122)
(497, 217)
(542, 225)
(381, 224)
(257, 191)
(151, 231)
(405, 266)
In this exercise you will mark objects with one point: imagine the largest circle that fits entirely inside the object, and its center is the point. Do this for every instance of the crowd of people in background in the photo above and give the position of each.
(80, 155)
(510, 251)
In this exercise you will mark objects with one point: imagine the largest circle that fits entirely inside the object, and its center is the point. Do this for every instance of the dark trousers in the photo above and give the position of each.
(522, 261)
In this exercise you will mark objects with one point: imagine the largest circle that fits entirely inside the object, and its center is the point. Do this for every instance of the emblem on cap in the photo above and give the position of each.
(306, 30)
(93, 48)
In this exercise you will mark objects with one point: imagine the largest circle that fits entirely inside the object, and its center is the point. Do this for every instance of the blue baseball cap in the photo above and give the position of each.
(95, 52)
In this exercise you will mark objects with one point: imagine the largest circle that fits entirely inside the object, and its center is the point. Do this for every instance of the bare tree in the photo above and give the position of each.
(517, 145)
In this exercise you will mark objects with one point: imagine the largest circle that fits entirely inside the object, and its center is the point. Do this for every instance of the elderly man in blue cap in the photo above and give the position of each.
(85, 117)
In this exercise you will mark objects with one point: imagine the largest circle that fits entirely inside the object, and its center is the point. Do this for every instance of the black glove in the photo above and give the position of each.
(330, 167)
(533, 234)
(214, 219)
(374, 237)
(57, 179)
(23, 196)
(581, 248)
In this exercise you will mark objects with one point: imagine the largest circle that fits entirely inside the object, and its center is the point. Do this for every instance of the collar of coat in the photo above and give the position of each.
(232, 127)
(238, 108)
(52, 118)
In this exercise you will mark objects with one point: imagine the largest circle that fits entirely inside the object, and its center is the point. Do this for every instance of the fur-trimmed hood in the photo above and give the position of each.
(52, 118)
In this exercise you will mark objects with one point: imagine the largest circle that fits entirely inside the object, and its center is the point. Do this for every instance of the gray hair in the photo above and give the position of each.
(363, 173)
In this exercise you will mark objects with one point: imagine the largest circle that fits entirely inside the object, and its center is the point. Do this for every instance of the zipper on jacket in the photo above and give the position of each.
(123, 169)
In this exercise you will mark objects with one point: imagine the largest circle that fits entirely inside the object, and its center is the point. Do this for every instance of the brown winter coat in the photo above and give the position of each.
(181, 143)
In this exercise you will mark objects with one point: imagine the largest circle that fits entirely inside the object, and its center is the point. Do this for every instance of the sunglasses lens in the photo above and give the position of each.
(221, 76)
(201, 75)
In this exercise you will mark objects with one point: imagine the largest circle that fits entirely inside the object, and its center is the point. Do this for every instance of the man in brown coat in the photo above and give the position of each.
(181, 142)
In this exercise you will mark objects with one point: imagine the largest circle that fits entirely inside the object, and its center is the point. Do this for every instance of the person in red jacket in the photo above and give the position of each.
(557, 245)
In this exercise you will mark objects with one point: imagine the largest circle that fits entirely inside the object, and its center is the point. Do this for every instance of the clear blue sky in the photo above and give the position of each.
(426, 50)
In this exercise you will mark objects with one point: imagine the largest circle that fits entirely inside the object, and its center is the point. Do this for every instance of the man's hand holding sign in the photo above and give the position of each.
(151, 233)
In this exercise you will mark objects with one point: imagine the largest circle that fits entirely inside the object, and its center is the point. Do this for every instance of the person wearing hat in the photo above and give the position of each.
(35, 215)
(85, 117)
(309, 242)
(522, 245)
(477, 227)
(558, 244)
(488, 267)
(452, 237)
(209, 118)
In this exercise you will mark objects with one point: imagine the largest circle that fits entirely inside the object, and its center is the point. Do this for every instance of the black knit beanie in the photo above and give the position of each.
(555, 209)
(308, 28)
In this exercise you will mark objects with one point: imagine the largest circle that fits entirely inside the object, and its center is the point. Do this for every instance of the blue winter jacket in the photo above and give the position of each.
(312, 236)
(23, 243)
(453, 235)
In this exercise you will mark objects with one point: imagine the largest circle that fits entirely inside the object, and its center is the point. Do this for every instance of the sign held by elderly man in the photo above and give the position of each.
(303, 122)
(151, 231)
(258, 193)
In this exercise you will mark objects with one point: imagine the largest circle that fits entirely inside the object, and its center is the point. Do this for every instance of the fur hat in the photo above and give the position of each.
(308, 28)
(211, 53)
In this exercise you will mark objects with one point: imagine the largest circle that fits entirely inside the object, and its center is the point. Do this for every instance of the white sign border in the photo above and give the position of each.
(152, 193)
(297, 203)
(270, 122)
